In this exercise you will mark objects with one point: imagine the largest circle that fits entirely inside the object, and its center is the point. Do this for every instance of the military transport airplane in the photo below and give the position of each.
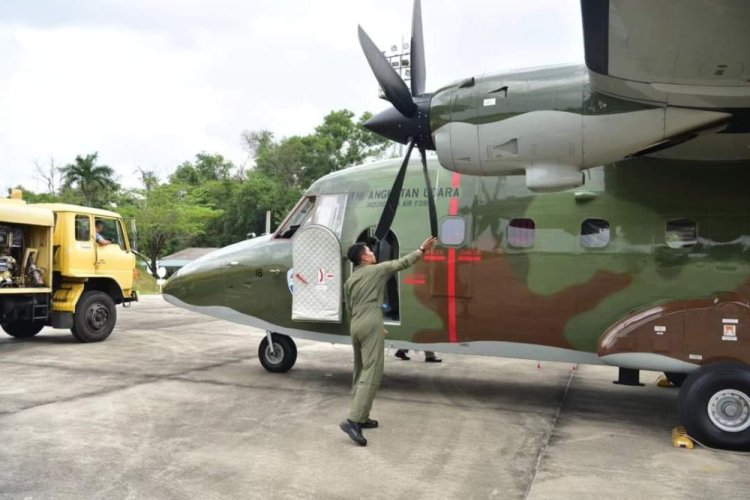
(593, 214)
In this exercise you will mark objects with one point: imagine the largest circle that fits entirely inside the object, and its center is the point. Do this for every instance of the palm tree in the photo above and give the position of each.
(89, 178)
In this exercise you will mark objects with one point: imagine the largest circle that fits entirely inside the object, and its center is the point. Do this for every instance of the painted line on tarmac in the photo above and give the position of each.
(548, 436)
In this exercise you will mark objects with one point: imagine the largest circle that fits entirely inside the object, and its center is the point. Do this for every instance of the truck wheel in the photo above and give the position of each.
(23, 329)
(282, 358)
(715, 405)
(94, 318)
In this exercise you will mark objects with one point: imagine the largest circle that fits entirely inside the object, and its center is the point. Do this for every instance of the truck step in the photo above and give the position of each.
(40, 308)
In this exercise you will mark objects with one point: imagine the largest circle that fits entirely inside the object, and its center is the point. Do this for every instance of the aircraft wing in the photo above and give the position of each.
(684, 52)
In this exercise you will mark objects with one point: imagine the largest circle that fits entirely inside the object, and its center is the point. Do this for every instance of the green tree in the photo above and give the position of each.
(168, 217)
(148, 178)
(350, 141)
(94, 183)
(206, 167)
(246, 213)
(297, 161)
(32, 197)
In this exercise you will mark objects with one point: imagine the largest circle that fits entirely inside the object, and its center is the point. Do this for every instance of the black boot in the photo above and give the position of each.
(370, 424)
(354, 430)
(401, 353)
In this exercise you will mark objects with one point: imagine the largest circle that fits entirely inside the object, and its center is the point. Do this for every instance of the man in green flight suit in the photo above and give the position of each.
(364, 292)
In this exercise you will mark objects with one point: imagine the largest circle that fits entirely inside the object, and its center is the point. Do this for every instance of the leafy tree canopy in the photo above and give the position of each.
(89, 182)
(206, 167)
(209, 201)
(168, 218)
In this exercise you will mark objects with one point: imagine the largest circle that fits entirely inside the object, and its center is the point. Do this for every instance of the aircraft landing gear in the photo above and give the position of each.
(279, 355)
(715, 405)
(677, 379)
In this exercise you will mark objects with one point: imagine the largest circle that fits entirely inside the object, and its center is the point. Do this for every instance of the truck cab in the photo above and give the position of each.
(84, 268)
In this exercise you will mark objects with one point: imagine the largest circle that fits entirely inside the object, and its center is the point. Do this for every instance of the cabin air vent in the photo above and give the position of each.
(502, 90)
(506, 150)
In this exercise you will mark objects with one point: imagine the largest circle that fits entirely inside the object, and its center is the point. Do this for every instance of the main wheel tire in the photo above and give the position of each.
(23, 329)
(95, 317)
(715, 405)
(284, 355)
(676, 378)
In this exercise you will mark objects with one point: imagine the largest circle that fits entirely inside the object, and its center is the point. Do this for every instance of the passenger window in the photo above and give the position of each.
(452, 231)
(681, 233)
(521, 233)
(595, 233)
(83, 228)
(299, 217)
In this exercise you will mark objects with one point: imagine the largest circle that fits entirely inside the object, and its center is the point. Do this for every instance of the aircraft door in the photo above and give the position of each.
(387, 250)
(316, 261)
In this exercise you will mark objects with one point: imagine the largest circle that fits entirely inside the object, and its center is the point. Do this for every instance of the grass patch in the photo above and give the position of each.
(146, 284)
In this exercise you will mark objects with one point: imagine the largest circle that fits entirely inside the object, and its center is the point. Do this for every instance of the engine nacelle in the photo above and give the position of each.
(500, 127)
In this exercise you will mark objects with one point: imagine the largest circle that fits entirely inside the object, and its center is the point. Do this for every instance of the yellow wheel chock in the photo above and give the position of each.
(663, 381)
(680, 438)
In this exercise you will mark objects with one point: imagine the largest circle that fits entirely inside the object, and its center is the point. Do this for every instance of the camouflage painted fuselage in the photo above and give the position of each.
(555, 298)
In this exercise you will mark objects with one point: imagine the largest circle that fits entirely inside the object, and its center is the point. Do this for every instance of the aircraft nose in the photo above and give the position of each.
(174, 287)
(198, 283)
(204, 282)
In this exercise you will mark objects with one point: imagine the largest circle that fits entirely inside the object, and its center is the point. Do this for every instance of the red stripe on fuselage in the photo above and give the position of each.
(469, 258)
(415, 279)
(452, 329)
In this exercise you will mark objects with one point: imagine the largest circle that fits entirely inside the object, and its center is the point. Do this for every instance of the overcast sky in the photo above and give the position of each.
(150, 83)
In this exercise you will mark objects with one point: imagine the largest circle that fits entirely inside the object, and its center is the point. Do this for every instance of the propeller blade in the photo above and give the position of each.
(391, 205)
(394, 87)
(430, 194)
(417, 51)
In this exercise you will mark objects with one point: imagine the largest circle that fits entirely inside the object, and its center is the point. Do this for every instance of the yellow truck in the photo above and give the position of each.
(64, 266)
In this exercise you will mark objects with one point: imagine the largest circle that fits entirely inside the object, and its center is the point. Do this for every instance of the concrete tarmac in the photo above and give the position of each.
(176, 405)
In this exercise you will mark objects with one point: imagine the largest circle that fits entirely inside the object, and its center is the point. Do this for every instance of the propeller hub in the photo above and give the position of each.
(391, 124)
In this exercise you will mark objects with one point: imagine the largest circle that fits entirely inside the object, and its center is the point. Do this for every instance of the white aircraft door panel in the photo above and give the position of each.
(316, 258)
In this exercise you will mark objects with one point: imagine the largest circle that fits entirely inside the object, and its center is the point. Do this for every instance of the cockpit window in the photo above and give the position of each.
(329, 212)
(298, 218)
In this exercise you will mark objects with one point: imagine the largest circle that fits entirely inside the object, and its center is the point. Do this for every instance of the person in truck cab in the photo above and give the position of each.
(101, 240)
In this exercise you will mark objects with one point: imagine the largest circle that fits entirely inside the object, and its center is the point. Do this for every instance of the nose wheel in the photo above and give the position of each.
(279, 354)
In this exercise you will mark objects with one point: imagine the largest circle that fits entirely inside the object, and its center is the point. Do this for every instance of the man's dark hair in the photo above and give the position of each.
(355, 252)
